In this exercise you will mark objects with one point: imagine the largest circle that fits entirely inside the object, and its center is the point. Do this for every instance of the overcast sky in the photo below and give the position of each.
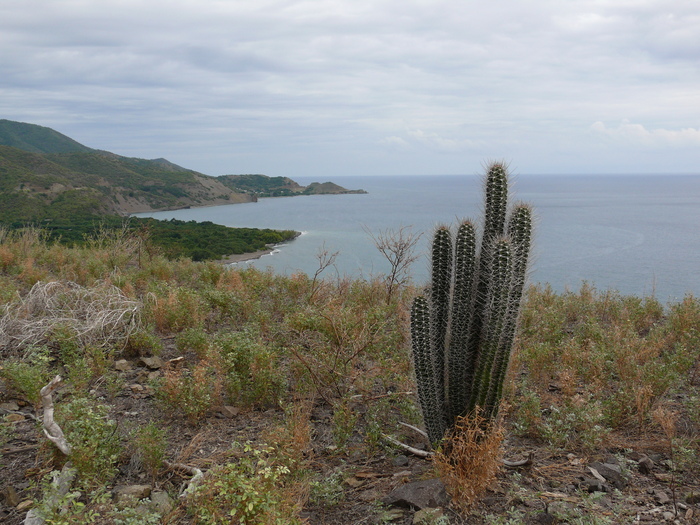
(363, 87)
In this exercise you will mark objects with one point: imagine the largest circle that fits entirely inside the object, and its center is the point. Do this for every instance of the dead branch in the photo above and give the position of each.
(51, 428)
(520, 463)
(415, 451)
(196, 474)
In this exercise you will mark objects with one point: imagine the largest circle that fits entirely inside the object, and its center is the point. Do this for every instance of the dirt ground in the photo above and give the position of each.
(557, 487)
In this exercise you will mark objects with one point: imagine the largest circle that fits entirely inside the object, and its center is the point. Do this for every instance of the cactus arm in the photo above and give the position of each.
(440, 302)
(460, 360)
(428, 396)
(520, 231)
(495, 315)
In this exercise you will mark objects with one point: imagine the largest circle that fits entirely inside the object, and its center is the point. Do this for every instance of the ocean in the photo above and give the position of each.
(636, 234)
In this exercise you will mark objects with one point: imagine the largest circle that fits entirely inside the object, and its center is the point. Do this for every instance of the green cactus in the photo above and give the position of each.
(462, 334)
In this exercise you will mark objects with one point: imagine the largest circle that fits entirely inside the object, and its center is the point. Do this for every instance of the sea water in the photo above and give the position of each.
(637, 234)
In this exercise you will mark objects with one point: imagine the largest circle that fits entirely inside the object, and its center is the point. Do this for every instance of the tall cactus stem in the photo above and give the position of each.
(460, 361)
(440, 300)
(429, 396)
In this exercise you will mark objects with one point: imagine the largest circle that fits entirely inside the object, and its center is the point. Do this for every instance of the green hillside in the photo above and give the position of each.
(37, 139)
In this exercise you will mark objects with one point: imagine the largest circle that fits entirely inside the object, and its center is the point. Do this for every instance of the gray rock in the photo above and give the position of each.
(400, 461)
(612, 473)
(429, 493)
(645, 465)
(162, 502)
(10, 406)
(661, 497)
(133, 492)
(122, 365)
(154, 363)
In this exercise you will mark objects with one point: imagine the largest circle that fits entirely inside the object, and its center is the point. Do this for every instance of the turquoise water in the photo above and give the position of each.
(637, 234)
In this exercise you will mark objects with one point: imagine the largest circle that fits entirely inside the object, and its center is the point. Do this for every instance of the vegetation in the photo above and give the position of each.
(463, 334)
(264, 186)
(317, 371)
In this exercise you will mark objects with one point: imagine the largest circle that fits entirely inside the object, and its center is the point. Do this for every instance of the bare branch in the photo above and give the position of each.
(51, 428)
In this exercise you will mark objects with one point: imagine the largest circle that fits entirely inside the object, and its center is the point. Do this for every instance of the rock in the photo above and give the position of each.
(122, 365)
(645, 465)
(9, 494)
(10, 406)
(369, 496)
(229, 411)
(154, 363)
(153, 375)
(137, 492)
(136, 388)
(661, 497)
(428, 516)
(429, 493)
(612, 473)
(14, 418)
(400, 461)
(591, 485)
(669, 516)
(162, 502)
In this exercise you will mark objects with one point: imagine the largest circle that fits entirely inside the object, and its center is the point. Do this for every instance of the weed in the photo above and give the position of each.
(470, 458)
(93, 437)
(150, 443)
(248, 490)
(193, 393)
(27, 377)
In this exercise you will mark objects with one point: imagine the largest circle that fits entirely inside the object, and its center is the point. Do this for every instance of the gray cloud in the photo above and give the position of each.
(328, 87)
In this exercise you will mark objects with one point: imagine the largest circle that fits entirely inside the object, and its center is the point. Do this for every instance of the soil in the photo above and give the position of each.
(558, 487)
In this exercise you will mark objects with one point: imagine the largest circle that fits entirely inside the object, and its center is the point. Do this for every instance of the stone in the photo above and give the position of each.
(10, 406)
(10, 496)
(669, 516)
(428, 516)
(133, 492)
(591, 485)
(645, 465)
(429, 493)
(661, 497)
(612, 473)
(400, 461)
(122, 365)
(14, 418)
(154, 363)
(229, 411)
(162, 502)
(136, 388)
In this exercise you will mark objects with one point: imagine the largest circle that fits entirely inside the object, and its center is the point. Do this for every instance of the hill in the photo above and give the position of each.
(264, 186)
(44, 174)
(37, 139)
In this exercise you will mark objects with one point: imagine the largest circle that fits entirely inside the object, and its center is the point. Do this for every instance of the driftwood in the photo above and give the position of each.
(51, 428)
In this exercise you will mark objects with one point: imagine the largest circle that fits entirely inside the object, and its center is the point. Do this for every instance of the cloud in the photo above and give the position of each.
(271, 86)
(638, 134)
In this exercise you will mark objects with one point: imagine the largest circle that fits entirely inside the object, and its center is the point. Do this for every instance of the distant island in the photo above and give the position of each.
(264, 186)
(67, 188)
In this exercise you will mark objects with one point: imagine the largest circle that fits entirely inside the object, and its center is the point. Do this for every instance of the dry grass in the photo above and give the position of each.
(470, 459)
(100, 316)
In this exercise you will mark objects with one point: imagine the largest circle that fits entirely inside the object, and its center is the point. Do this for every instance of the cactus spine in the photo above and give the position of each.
(463, 332)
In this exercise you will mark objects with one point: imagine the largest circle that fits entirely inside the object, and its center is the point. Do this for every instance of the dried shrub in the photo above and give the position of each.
(470, 458)
(100, 316)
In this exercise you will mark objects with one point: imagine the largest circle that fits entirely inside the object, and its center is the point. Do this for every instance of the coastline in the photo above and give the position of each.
(242, 257)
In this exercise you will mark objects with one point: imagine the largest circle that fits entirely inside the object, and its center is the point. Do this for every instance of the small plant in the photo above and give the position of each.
(150, 443)
(248, 490)
(327, 491)
(93, 438)
(26, 377)
(193, 393)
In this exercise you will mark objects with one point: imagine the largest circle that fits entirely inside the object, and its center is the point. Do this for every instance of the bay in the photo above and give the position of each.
(637, 234)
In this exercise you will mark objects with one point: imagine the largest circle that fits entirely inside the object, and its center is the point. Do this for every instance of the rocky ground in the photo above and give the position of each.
(631, 481)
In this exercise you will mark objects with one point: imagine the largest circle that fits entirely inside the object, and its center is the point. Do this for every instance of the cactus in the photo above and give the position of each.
(463, 332)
